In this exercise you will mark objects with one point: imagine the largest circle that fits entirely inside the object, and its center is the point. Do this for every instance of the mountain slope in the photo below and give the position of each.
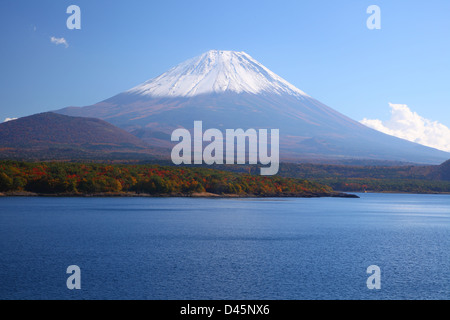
(53, 136)
(217, 72)
(231, 90)
(444, 171)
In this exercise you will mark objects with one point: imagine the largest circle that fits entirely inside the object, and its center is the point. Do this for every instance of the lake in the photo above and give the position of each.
(189, 248)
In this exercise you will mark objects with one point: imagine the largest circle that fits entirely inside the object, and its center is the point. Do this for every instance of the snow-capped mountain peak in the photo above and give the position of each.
(217, 71)
(207, 88)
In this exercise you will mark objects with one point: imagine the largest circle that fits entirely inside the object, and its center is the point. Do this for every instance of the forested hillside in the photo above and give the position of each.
(77, 178)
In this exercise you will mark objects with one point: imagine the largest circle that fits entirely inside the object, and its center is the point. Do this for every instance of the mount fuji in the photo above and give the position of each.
(231, 90)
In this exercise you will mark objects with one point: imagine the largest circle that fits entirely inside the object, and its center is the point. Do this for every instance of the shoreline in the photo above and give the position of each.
(175, 195)
(400, 192)
(337, 194)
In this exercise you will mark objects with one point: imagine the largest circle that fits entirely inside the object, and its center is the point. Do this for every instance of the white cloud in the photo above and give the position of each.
(9, 119)
(408, 125)
(59, 41)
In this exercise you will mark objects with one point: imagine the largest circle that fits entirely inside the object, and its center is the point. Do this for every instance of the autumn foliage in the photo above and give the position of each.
(84, 178)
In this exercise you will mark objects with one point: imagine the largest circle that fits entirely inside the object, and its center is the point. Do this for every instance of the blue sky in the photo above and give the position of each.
(322, 47)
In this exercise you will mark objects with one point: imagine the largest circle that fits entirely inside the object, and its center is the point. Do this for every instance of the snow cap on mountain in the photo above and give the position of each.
(217, 71)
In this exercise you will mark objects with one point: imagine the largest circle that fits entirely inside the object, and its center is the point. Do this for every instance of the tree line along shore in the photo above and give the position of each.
(99, 179)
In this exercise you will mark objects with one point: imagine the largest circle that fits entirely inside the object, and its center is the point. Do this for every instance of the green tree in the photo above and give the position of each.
(6, 183)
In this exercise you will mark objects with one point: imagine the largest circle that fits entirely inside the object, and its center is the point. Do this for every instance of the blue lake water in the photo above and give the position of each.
(185, 248)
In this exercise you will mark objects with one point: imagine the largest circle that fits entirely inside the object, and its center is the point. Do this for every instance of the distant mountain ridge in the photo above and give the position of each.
(53, 136)
(444, 170)
(231, 90)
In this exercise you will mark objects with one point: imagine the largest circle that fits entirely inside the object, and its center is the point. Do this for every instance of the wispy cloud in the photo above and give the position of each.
(409, 125)
(59, 41)
(9, 119)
